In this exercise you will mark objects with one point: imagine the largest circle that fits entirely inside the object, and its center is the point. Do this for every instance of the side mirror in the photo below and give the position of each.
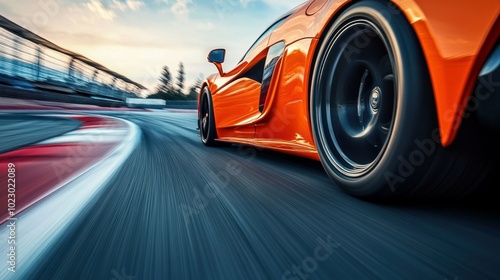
(217, 57)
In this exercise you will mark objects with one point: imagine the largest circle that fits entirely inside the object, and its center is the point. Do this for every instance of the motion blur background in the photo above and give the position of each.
(108, 188)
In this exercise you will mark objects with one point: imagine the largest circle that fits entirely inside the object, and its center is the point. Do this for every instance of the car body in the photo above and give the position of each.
(269, 100)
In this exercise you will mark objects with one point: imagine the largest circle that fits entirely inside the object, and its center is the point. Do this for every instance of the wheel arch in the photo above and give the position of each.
(200, 94)
(205, 84)
(454, 75)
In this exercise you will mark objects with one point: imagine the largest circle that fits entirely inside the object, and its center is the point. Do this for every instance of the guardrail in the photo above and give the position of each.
(28, 60)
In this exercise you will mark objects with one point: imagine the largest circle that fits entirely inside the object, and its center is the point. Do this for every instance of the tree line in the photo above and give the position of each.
(170, 89)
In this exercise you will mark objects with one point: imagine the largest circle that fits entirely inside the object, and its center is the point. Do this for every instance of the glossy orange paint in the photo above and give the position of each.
(456, 38)
(238, 96)
(285, 124)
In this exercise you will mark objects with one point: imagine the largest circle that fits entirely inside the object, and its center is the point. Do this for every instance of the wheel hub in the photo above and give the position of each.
(375, 99)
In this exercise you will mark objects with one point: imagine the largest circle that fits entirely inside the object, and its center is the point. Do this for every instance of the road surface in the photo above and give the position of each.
(175, 209)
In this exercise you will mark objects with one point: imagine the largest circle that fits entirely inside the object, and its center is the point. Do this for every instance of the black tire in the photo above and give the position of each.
(208, 132)
(373, 113)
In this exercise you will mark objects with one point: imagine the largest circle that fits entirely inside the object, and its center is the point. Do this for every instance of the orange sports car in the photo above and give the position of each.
(397, 99)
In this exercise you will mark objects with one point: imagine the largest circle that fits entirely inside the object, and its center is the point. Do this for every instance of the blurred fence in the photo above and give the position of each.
(28, 60)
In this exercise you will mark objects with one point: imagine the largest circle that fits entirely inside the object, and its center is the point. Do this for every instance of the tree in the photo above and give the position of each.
(181, 75)
(194, 90)
(165, 81)
(168, 91)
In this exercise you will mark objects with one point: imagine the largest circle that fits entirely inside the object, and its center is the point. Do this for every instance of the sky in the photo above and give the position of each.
(136, 38)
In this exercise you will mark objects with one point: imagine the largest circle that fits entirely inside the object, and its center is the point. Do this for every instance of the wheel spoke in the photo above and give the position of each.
(389, 77)
(387, 108)
(361, 101)
(383, 132)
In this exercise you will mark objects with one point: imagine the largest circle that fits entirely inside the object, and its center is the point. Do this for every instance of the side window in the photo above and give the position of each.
(264, 35)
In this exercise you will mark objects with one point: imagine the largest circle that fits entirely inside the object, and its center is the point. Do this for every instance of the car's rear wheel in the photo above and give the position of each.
(372, 110)
(208, 132)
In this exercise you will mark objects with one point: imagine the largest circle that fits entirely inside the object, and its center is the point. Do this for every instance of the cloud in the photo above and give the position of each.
(98, 9)
(132, 5)
(244, 3)
(109, 13)
(280, 4)
(180, 9)
(205, 25)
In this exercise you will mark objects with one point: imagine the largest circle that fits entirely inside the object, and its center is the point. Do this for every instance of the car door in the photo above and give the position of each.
(238, 102)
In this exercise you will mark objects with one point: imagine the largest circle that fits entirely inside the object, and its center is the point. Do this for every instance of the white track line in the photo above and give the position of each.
(88, 135)
(39, 227)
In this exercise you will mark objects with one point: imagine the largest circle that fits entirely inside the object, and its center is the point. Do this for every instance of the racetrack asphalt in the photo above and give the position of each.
(176, 209)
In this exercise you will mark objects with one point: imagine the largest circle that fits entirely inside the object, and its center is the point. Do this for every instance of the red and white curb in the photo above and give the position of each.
(80, 164)
(42, 168)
